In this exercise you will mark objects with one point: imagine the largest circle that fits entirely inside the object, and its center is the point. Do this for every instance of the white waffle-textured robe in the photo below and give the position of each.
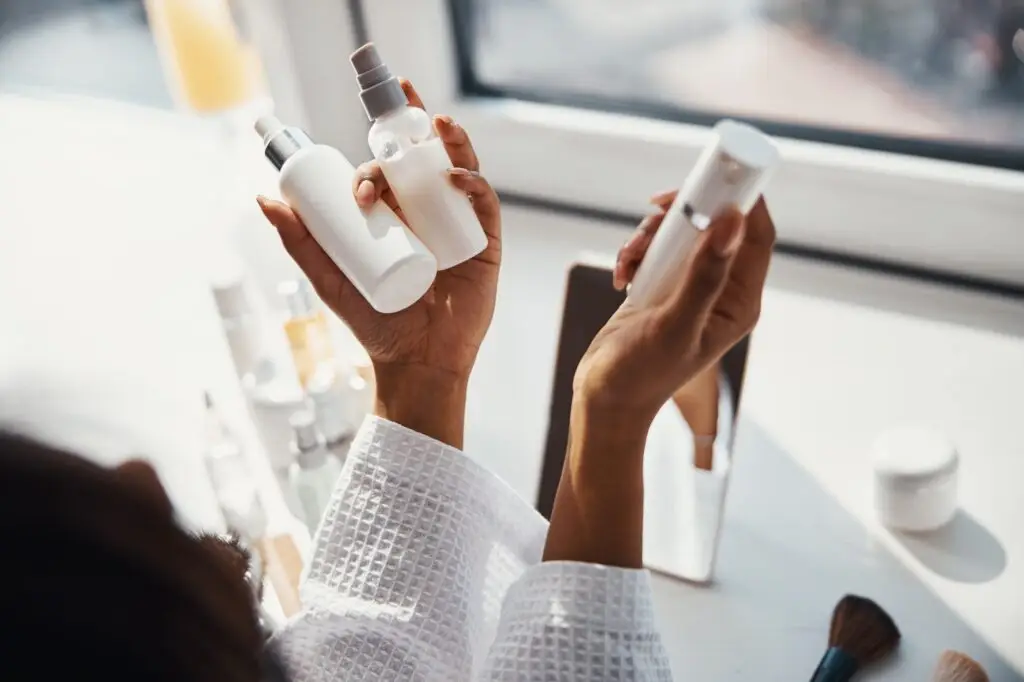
(427, 567)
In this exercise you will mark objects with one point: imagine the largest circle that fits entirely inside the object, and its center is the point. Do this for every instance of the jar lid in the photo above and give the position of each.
(914, 455)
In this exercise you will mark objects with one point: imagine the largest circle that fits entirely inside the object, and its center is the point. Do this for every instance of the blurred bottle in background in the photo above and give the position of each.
(337, 405)
(231, 479)
(306, 328)
(208, 65)
(314, 472)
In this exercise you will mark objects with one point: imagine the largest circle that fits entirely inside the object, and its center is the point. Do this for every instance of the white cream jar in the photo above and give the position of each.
(915, 472)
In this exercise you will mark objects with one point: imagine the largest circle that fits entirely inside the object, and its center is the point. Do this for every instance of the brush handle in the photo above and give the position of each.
(835, 666)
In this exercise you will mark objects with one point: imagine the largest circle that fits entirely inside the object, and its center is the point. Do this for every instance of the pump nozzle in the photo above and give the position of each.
(381, 92)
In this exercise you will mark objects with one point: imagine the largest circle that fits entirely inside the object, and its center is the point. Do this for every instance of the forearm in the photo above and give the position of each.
(427, 401)
(598, 511)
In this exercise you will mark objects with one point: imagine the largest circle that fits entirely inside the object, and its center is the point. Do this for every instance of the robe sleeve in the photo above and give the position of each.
(427, 567)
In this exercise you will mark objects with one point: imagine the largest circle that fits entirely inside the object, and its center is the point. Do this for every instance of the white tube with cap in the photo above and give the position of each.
(389, 266)
(731, 171)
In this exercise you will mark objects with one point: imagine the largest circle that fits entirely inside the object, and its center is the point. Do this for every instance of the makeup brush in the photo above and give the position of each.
(954, 666)
(860, 634)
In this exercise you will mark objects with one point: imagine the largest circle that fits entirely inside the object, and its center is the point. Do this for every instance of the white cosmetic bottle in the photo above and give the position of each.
(731, 171)
(314, 472)
(389, 266)
(415, 163)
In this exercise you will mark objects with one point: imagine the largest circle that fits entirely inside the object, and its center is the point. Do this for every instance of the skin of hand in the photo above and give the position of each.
(635, 364)
(429, 348)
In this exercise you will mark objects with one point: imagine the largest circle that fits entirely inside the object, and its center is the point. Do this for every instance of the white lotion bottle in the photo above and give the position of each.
(385, 262)
(415, 163)
(731, 171)
(314, 472)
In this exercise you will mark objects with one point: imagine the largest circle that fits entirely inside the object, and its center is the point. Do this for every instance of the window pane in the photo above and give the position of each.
(98, 48)
(944, 73)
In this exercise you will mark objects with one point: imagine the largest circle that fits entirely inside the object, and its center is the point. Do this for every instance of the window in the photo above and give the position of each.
(942, 78)
(899, 121)
(100, 48)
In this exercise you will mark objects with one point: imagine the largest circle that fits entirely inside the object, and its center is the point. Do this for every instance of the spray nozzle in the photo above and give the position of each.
(380, 90)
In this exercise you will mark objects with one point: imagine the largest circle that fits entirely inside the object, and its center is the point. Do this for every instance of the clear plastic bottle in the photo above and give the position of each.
(731, 171)
(314, 472)
(385, 262)
(415, 163)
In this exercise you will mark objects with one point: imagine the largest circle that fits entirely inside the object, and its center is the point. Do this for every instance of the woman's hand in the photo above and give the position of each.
(643, 355)
(429, 348)
(635, 364)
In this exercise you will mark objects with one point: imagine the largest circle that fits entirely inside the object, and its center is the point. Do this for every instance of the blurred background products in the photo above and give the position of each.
(315, 470)
(306, 328)
(208, 65)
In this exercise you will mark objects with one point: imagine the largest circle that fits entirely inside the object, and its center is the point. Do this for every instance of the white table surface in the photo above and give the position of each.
(109, 336)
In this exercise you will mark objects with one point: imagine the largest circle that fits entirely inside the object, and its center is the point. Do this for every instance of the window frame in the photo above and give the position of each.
(941, 216)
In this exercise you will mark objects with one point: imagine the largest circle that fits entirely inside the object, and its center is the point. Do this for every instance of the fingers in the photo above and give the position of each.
(664, 199)
(689, 308)
(323, 274)
(739, 307)
(634, 250)
(484, 198)
(369, 184)
(411, 94)
(456, 143)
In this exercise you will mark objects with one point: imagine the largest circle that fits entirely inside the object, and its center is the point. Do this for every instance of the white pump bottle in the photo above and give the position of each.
(389, 266)
(731, 171)
(415, 163)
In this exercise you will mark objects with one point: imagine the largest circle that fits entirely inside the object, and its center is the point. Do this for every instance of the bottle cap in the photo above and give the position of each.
(380, 90)
(232, 299)
(299, 297)
(280, 142)
(913, 455)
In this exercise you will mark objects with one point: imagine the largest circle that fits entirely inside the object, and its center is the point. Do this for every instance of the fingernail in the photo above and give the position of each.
(459, 172)
(726, 237)
(365, 192)
(445, 119)
(663, 196)
(262, 201)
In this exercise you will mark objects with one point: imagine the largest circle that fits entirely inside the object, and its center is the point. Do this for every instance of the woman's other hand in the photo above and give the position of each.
(429, 348)
(643, 355)
(634, 366)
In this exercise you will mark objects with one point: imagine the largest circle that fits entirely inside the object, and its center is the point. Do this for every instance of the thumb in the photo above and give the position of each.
(330, 283)
(688, 309)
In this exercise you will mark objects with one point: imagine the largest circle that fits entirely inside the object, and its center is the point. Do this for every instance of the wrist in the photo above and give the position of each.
(427, 400)
(606, 445)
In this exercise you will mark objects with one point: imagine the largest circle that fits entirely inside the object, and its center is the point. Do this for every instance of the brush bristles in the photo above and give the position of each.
(861, 628)
(954, 666)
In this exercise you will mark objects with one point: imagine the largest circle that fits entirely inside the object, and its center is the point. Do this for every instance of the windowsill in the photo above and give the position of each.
(940, 215)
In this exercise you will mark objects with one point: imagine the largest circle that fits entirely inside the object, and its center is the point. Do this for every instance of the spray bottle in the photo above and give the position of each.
(415, 163)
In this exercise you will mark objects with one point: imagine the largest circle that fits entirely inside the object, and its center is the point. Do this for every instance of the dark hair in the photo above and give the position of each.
(101, 582)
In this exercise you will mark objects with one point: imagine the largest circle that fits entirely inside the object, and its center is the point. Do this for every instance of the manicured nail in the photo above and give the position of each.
(459, 172)
(726, 237)
(263, 202)
(365, 192)
(445, 119)
(663, 196)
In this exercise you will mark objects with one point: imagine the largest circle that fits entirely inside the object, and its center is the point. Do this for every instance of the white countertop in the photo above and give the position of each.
(109, 337)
